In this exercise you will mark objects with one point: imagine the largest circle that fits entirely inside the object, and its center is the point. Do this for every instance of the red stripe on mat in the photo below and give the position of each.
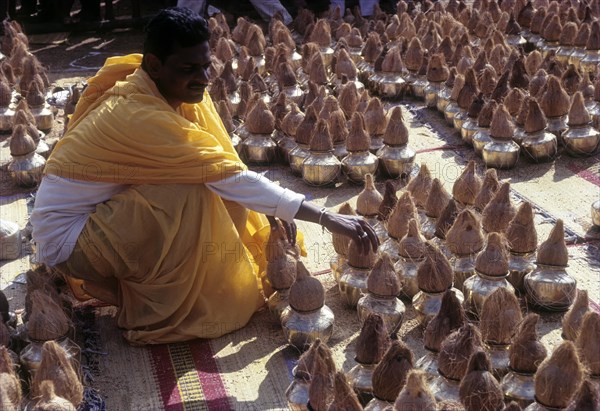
(165, 378)
(584, 173)
(210, 378)
(444, 147)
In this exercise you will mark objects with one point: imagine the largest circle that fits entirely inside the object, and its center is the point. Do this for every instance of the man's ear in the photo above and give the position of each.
(152, 65)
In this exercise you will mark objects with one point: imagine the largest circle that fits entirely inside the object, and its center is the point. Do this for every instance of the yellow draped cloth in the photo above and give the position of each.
(186, 264)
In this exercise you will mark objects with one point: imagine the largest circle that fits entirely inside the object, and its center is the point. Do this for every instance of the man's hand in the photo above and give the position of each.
(354, 227)
(289, 229)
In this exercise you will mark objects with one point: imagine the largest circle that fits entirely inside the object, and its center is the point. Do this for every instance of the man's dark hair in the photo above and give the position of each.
(174, 26)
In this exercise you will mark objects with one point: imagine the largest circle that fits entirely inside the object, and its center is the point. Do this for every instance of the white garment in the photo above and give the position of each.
(62, 207)
(266, 8)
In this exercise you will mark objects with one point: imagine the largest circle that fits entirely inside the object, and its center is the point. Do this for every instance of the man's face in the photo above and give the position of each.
(184, 75)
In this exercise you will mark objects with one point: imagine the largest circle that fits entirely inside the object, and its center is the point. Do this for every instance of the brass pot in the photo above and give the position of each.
(378, 405)
(519, 265)
(546, 47)
(550, 287)
(339, 150)
(589, 63)
(478, 287)
(515, 40)
(297, 156)
(7, 116)
(376, 143)
(295, 59)
(500, 154)
(26, 171)
(391, 309)
(355, 54)
(576, 56)
(518, 387)
(31, 356)
(536, 406)
(294, 94)
(441, 244)
(443, 98)
(418, 87)
(468, 130)
(432, 90)
(327, 53)
(463, 267)
(428, 227)
(539, 147)
(357, 164)
(336, 263)
(480, 139)
(353, 284)
(534, 38)
(499, 358)
(388, 85)
(381, 231)
(286, 144)
(427, 305)
(581, 141)
(459, 118)
(301, 329)
(360, 378)
(596, 213)
(234, 100)
(392, 247)
(259, 62)
(407, 271)
(297, 394)
(43, 117)
(365, 71)
(429, 364)
(557, 126)
(444, 388)
(563, 54)
(337, 86)
(259, 149)
(451, 110)
(396, 161)
(321, 168)
(278, 302)
(10, 240)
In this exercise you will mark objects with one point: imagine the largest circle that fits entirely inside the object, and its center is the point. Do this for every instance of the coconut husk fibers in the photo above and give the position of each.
(321, 33)
(321, 139)
(415, 395)
(307, 126)
(571, 323)
(578, 114)
(372, 341)
(521, 116)
(320, 391)
(414, 55)
(476, 106)
(437, 71)
(404, 210)
(357, 139)
(420, 186)
(467, 185)
(551, 32)
(47, 320)
(449, 318)
(390, 374)
(345, 398)
(348, 99)
(552, 389)
(587, 398)
(396, 132)
(493, 260)
(224, 113)
(307, 293)
(341, 242)
(465, 236)
(50, 401)
(383, 280)
(389, 200)
(437, 199)
(502, 127)
(512, 406)
(260, 120)
(479, 390)
(588, 342)
(533, 61)
(593, 42)
(281, 262)
(489, 187)
(358, 260)
(469, 90)
(21, 143)
(279, 109)
(412, 245)
(456, 350)
(554, 251)
(526, 351)
(513, 101)
(369, 199)
(392, 62)
(375, 119)
(571, 79)
(372, 47)
(498, 213)
(56, 367)
(521, 234)
(5, 92)
(292, 120)
(337, 127)
(536, 119)
(446, 219)
(435, 274)
(345, 65)
(583, 34)
(306, 361)
(10, 392)
(555, 101)
(485, 116)
(317, 70)
(500, 316)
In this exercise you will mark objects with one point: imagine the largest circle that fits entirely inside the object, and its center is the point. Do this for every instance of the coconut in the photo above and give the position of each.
(568, 34)
(56, 367)
(358, 260)
(521, 116)
(551, 32)
(345, 65)
(412, 245)
(348, 98)
(320, 391)
(469, 90)
(493, 260)
(533, 61)
(372, 341)
(521, 234)
(223, 50)
(321, 140)
(369, 199)
(223, 109)
(489, 187)
(344, 396)
(383, 280)
(498, 213)
(358, 139)
(526, 351)
(437, 199)
(404, 210)
(291, 121)
(257, 83)
(555, 100)
(500, 316)
(587, 87)
(229, 78)
(434, 275)
(321, 33)
(279, 109)
(536, 120)
(415, 395)
(571, 80)
(554, 251)
(479, 390)
(552, 389)
(240, 30)
(260, 120)
(485, 116)
(390, 374)
(218, 90)
(501, 87)
(449, 318)
(282, 260)
(587, 342)
(476, 106)
(283, 36)
(467, 185)
(578, 114)
(47, 320)
(389, 200)
(21, 142)
(593, 42)
(456, 349)
(50, 401)
(420, 186)
(5, 92)
(446, 219)
(307, 126)
(363, 102)
(372, 48)
(465, 236)
(571, 323)
(308, 51)
(245, 96)
(341, 242)
(586, 399)
(307, 293)
(10, 392)
(583, 35)
(502, 127)
(337, 127)
(396, 132)
(375, 119)
(514, 100)
(317, 70)
(306, 361)
(437, 71)
(285, 75)
(392, 61)
(255, 41)
(414, 55)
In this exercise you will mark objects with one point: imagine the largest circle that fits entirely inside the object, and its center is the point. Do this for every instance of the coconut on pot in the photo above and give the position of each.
(498, 213)
(571, 323)
(479, 390)
(489, 187)
(420, 186)
(467, 185)
(392, 371)
(457, 349)
(587, 343)
(415, 395)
